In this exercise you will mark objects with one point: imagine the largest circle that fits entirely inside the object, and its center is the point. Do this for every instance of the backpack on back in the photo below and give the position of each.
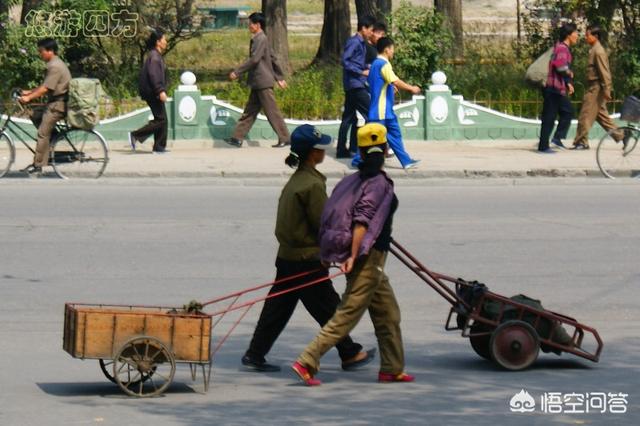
(83, 103)
(538, 71)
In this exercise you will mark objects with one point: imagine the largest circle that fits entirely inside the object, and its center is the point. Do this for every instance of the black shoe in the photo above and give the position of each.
(234, 142)
(281, 145)
(580, 146)
(259, 366)
(345, 154)
(558, 143)
(546, 151)
(350, 365)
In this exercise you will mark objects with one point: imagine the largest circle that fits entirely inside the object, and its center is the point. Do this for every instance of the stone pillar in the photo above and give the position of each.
(440, 110)
(186, 108)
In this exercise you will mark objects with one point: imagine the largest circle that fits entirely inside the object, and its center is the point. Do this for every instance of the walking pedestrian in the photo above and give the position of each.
(262, 72)
(557, 90)
(594, 102)
(354, 80)
(355, 231)
(297, 225)
(382, 84)
(56, 87)
(152, 86)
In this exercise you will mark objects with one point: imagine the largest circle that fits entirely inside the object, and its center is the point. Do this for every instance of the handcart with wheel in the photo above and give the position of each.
(139, 346)
(509, 331)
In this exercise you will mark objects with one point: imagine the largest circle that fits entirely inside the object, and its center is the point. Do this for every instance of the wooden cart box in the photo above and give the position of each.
(98, 331)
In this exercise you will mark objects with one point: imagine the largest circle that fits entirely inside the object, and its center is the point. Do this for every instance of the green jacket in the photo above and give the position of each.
(299, 210)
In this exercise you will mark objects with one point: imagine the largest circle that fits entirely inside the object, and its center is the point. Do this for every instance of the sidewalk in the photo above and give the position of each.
(486, 159)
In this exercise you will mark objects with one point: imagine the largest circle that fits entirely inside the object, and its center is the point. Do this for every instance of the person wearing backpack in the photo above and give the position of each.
(56, 88)
(557, 90)
(153, 89)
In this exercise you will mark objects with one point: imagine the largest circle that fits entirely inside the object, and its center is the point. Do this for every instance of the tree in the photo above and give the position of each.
(452, 10)
(380, 9)
(335, 31)
(28, 6)
(275, 12)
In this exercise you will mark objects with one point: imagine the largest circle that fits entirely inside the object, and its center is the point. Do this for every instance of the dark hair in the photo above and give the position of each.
(383, 43)
(48, 44)
(155, 36)
(258, 18)
(297, 159)
(366, 21)
(596, 31)
(372, 163)
(566, 30)
(380, 26)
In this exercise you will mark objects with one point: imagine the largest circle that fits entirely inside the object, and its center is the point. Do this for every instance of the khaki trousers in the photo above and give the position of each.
(261, 99)
(368, 288)
(45, 119)
(594, 108)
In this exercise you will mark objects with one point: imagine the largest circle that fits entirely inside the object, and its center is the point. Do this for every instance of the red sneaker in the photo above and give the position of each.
(395, 378)
(304, 374)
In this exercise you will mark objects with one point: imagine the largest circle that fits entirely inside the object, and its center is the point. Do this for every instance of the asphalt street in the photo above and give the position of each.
(571, 243)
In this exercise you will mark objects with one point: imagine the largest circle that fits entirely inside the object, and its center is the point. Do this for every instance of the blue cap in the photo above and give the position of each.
(307, 136)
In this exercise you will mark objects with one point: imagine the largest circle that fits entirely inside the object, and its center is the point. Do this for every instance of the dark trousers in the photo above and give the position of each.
(320, 300)
(554, 105)
(158, 127)
(354, 100)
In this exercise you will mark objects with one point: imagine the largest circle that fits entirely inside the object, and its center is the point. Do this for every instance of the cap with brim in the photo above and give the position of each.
(307, 136)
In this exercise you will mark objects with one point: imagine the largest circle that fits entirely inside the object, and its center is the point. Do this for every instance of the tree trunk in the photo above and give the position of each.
(452, 10)
(335, 31)
(27, 6)
(379, 9)
(275, 13)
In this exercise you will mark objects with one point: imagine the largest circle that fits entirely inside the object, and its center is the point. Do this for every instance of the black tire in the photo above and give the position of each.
(616, 159)
(7, 153)
(480, 344)
(79, 153)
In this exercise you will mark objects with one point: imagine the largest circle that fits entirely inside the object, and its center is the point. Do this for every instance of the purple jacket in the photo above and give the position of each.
(354, 201)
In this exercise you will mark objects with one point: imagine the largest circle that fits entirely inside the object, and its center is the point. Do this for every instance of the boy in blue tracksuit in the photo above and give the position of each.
(382, 84)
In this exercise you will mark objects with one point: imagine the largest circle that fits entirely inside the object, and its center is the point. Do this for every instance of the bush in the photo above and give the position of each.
(19, 60)
(421, 42)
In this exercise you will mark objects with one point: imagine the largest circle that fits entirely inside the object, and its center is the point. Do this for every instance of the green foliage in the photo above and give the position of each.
(314, 93)
(421, 42)
(19, 60)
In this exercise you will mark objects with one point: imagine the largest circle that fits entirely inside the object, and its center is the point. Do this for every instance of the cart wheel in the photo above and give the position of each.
(480, 344)
(144, 367)
(106, 365)
(514, 345)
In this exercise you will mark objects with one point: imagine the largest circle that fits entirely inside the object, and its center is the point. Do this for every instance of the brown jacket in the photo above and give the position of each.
(598, 71)
(262, 68)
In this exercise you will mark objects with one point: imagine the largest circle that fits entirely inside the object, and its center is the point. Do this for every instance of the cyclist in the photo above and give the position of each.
(55, 87)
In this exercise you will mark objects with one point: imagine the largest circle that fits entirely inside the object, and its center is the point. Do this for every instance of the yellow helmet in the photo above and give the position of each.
(372, 134)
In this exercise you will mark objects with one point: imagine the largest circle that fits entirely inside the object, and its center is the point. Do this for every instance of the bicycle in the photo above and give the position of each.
(73, 152)
(620, 157)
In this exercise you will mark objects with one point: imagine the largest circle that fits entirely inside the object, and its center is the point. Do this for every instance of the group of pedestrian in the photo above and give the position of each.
(369, 89)
(560, 87)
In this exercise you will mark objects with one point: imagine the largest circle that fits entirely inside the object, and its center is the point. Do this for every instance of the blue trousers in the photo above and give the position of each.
(394, 139)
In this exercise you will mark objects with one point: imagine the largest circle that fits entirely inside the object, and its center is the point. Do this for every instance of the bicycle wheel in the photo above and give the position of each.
(616, 159)
(79, 153)
(7, 153)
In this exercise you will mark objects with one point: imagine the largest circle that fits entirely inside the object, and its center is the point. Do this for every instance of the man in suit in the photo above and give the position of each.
(262, 72)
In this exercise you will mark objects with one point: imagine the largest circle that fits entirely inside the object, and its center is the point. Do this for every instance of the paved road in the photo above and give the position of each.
(574, 244)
